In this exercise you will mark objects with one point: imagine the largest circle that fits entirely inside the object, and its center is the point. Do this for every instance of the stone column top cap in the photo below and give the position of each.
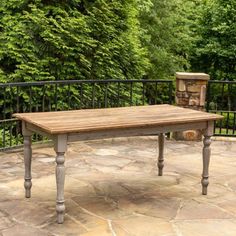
(195, 76)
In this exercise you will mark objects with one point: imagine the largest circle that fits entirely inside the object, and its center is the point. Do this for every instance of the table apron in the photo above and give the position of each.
(142, 131)
(122, 132)
(38, 130)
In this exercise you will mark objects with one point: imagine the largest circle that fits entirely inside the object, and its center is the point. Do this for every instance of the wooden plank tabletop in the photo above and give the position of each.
(74, 121)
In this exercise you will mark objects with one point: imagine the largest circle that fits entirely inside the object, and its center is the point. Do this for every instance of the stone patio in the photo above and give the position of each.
(112, 189)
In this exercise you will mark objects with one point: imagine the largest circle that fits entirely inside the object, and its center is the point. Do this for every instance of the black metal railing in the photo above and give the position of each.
(84, 94)
(221, 99)
(71, 95)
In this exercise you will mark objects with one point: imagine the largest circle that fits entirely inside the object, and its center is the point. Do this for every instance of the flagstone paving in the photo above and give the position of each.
(112, 189)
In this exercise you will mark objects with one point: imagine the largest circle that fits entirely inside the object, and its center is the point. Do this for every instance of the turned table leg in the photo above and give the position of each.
(160, 164)
(27, 160)
(206, 153)
(60, 149)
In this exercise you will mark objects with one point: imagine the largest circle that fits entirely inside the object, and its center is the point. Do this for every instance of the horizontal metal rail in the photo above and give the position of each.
(37, 83)
(8, 120)
(221, 82)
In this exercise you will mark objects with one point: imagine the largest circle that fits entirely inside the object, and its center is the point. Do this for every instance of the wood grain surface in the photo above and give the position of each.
(86, 120)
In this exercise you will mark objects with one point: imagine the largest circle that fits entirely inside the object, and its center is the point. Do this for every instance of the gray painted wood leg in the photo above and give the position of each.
(60, 149)
(160, 164)
(27, 159)
(206, 153)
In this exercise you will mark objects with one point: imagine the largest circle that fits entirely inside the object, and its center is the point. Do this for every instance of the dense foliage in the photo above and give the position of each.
(215, 50)
(79, 39)
(118, 39)
(166, 34)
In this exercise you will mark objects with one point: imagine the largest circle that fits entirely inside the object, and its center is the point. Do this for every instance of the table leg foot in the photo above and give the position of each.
(27, 185)
(27, 161)
(206, 160)
(161, 139)
(60, 208)
(205, 183)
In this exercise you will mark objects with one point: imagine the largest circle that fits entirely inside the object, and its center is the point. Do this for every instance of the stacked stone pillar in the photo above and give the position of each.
(191, 93)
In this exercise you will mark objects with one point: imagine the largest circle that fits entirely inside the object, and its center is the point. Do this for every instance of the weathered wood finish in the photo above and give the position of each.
(113, 118)
(60, 146)
(68, 126)
(160, 164)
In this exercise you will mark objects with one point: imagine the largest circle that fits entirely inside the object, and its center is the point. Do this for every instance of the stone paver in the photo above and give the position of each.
(112, 189)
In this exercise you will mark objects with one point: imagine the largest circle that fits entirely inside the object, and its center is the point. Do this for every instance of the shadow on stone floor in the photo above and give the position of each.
(112, 188)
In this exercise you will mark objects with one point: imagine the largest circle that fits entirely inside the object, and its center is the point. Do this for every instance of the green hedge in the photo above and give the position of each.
(76, 39)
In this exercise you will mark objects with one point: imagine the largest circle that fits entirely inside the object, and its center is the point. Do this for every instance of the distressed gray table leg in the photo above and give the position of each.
(206, 153)
(60, 146)
(160, 164)
(27, 160)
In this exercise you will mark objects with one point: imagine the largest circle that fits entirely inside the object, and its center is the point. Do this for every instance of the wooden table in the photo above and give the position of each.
(66, 126)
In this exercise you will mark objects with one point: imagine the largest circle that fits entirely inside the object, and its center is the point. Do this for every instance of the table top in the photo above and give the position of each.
(76, 121)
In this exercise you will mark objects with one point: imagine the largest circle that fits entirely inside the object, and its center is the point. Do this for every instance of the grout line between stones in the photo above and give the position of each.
(111, 228)
(176, 229)
(77, 222)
